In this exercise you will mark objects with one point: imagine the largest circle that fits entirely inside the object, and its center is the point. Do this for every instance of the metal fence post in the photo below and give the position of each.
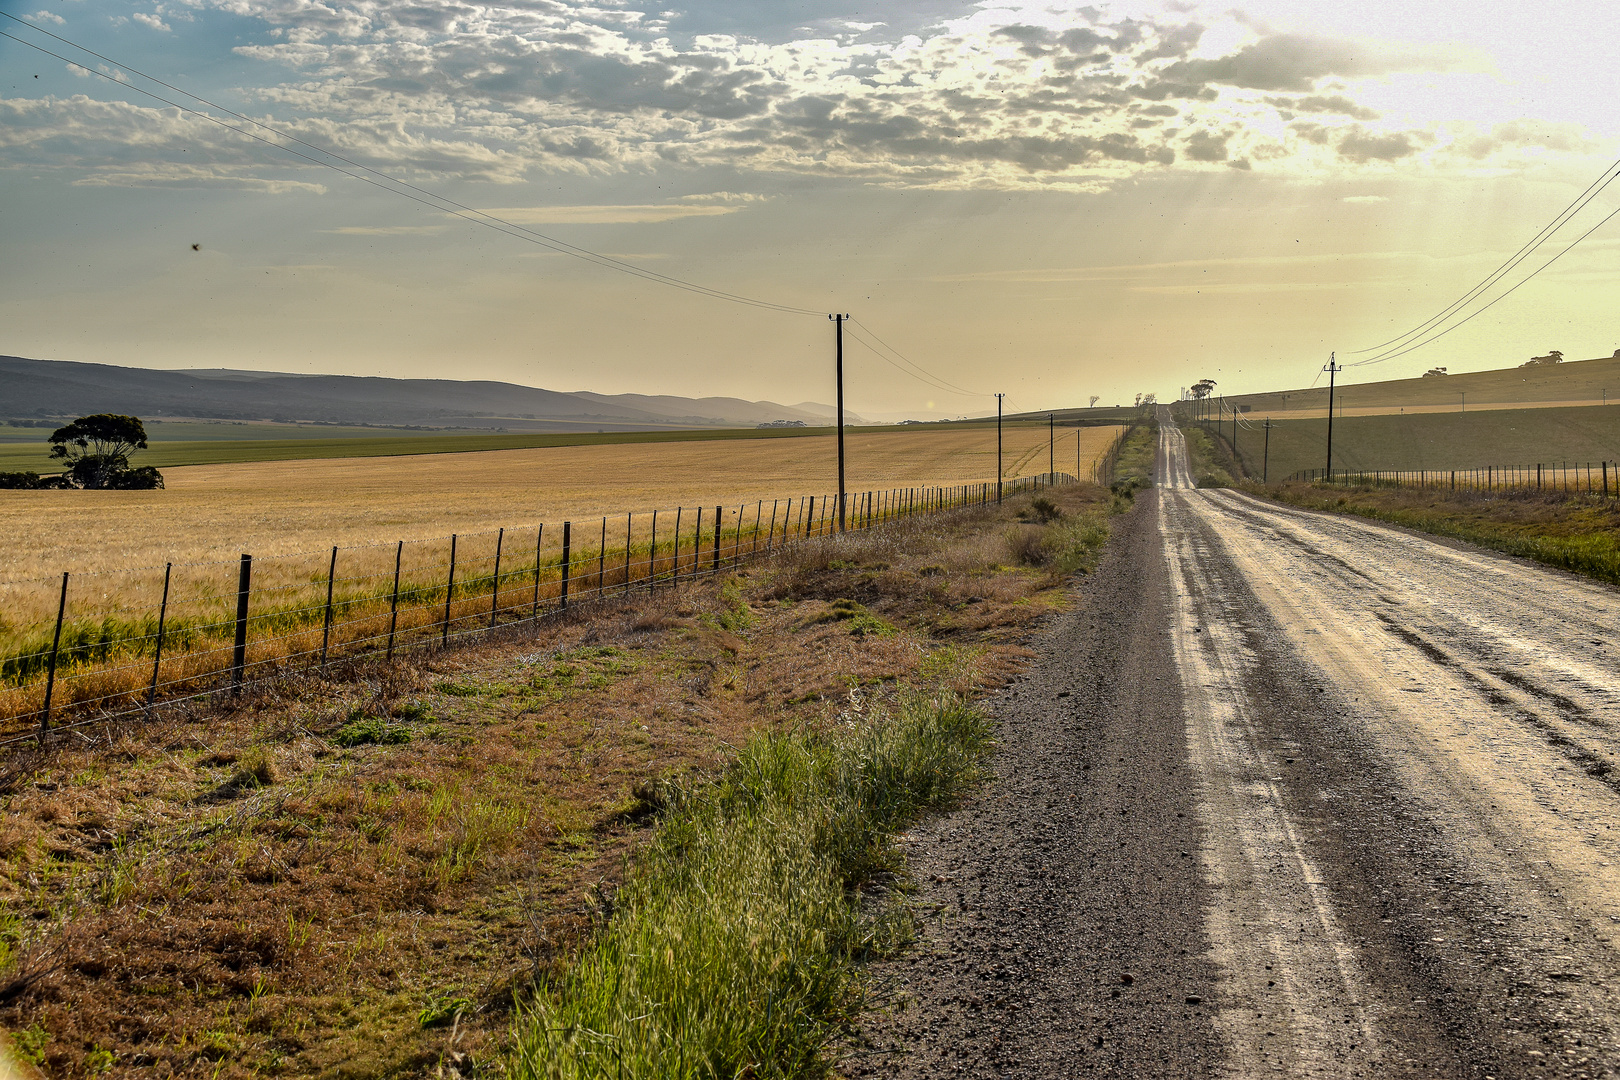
(393, 603)
(50, 673)
(675, 555)
(628, 519)
(697, 544)
(495, 593)
(601, 562)
(326, 623)
(539, 538)
(449, 594)
(244, 583)
(157, 652)
(567, 562)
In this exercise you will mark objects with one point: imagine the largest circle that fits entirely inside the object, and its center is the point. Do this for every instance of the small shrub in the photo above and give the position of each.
(1210, 481)
(862, 623)
(1041, 511)
(441, 1011)
(362, 728)
(1029, 545)
(28, 1044)
(254, 770)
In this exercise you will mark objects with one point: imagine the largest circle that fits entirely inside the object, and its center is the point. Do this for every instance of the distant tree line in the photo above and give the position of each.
(94, 451)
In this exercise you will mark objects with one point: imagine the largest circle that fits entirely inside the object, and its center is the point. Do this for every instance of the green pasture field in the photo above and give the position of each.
(1576, 380)
(1513, 437)
(237, 430)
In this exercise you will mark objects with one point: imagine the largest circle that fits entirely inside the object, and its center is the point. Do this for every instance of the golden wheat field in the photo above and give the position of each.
(352, 555)
(215, 512)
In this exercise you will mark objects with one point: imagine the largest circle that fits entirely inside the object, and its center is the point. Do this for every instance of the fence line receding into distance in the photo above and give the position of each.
(79, 649)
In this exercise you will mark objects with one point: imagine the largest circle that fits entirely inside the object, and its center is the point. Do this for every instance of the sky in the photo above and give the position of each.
(1051, 200)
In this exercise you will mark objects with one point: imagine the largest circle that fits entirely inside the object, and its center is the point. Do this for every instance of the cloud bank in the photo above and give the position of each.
(1006, 96)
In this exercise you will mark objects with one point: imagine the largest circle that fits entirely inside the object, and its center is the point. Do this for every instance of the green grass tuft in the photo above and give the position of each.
(734, 946)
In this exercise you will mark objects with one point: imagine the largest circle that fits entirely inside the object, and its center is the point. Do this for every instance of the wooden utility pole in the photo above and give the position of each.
(1051, 444)
(1265, 457)
(1333, 370)
(998, 446)
(838, 321)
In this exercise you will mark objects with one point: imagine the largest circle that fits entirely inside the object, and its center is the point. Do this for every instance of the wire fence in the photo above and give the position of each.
(89, 647)
(1596, 480)
(1107, 463)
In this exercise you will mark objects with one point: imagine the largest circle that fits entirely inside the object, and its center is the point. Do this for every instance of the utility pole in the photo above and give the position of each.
(1333, 370)
(1051, 444)
(1265, 458)
(998, 446)
(838, 321)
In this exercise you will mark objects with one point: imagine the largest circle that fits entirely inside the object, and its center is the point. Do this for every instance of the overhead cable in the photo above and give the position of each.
(1401, 341)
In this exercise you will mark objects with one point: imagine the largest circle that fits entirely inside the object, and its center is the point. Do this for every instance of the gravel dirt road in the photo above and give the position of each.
(1287, 794)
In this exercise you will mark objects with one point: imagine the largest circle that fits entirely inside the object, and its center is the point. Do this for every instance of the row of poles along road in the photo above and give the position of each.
(381, 611)
(557, 581)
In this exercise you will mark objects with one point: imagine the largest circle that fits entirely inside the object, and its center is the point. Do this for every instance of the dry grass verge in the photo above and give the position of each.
(360, 875)
(1579, 534)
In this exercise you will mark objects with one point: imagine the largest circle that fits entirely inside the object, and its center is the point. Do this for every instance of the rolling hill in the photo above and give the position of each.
(65, 389)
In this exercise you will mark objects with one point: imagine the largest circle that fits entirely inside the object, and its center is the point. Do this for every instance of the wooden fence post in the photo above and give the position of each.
(628, 519)
(810, 520)
(601, 562)
(652, 556)
(393, 604)
(50, 673)
(244, 583)
(719, 520)
(449, 591)
(326, 623)
(567, 562)
(157, 651)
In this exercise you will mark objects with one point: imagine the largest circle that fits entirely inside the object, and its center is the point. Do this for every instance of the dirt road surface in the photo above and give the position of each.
(1287, 795)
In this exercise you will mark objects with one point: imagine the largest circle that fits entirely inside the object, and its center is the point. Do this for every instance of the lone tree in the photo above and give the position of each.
(96, 451)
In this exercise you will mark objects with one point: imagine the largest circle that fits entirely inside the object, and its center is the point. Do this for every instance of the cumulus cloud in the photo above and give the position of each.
(150, 20)
(1296, 62)
(46, 16)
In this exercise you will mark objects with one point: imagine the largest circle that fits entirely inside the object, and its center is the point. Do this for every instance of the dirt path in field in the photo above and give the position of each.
(1287, 795)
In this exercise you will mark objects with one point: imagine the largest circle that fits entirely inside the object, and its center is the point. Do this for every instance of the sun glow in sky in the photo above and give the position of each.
(1049, 199)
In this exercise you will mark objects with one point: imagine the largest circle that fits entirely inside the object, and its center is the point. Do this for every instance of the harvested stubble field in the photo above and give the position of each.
(214, 512)
(362, 874)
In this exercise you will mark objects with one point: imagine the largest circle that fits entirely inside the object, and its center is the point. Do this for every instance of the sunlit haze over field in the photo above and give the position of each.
(1052, 200)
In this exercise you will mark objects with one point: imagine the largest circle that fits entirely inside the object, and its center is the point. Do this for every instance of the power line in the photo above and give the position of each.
(1607, 177)
(1436, 337)
(921, 374)
(403, 188)
(925, 374)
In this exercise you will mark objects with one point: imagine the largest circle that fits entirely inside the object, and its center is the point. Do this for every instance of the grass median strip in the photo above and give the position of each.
(735, 946)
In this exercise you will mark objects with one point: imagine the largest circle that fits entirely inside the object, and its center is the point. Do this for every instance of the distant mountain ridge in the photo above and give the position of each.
(63, 388)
